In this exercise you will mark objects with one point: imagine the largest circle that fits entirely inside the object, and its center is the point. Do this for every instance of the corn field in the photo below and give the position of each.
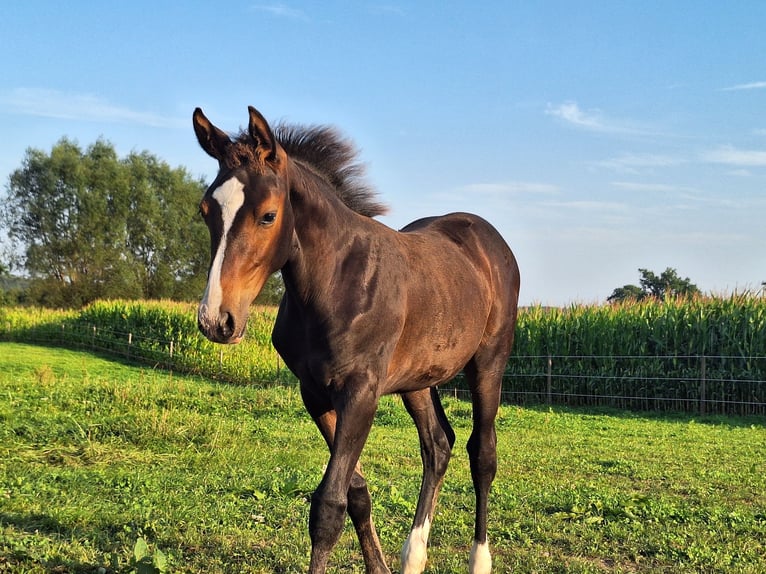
(706, 355)
(158, 333)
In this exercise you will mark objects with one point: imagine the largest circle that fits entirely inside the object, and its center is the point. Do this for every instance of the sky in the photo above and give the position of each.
(597, 137)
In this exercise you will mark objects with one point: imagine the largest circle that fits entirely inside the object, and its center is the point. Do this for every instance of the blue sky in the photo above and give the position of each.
(598, 137)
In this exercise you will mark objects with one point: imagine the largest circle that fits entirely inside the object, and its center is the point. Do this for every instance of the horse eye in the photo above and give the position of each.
(268, 218)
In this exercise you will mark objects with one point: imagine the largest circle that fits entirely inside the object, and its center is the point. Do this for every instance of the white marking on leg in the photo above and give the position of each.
(414, 551)
(480, 561)
(230, 197)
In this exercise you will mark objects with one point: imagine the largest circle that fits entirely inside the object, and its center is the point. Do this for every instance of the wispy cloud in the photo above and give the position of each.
(79, 107)
(595, 120)
(630, 163)
(507, 188)
(589, 205)
(281, 10)
(741, 87)
(685, 197)
(571, 113)
(730, 155)
(493, 194)
(387, 9)
(651, 187)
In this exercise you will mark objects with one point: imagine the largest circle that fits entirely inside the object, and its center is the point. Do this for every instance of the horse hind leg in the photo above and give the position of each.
(485, 382)
(436, 441)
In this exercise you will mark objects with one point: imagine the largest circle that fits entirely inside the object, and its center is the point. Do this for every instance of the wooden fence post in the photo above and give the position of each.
(702, 385)
(549, 384)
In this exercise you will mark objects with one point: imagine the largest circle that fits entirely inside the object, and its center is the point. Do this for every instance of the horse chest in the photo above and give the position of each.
(330, 350)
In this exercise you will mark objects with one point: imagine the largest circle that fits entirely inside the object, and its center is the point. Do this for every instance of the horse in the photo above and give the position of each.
(367, 311)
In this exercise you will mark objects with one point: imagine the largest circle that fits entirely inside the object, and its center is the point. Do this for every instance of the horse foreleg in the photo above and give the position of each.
(343, 487)
(360, 511)
(436, 441)
(359, 504)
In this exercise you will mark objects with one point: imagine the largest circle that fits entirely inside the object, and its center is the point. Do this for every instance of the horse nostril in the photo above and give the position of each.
(226, 325)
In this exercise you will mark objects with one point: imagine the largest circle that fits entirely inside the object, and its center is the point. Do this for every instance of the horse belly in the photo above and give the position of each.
(436, 349)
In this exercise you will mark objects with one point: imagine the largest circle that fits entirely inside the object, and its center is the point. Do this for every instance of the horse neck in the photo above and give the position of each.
(323, 226)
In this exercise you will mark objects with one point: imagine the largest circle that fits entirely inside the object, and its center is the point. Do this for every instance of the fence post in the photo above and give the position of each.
(702, 385)
(548, 392)
(93, 338)
(130, 343)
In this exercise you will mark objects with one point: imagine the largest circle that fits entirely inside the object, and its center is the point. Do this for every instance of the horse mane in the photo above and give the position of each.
(335, 159)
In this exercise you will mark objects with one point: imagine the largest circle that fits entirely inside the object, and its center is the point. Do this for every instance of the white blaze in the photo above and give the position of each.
(230, 197)
(414, 551)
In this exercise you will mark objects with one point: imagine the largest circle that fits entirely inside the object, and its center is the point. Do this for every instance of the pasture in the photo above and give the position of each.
(109, 467)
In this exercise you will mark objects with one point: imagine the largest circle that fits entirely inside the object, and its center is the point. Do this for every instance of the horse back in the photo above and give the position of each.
(464, 242)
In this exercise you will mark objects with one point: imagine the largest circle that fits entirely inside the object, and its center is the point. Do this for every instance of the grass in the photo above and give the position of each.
(107, 467)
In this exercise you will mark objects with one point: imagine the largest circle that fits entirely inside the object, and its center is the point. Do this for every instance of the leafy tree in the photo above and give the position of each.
(667, 284)
(627, 293)
(272, 291)
(90, 225)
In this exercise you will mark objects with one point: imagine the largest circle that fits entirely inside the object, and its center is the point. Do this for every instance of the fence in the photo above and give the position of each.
(692, 383)
(703, 384)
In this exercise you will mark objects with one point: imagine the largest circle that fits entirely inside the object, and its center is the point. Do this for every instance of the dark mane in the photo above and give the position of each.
(335, 159)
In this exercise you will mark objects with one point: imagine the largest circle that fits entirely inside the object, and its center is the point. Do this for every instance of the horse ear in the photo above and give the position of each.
(210, 138)
(262, 135)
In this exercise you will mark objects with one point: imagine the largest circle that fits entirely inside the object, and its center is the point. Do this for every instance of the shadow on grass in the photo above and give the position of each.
(17, 555)
(680, 417)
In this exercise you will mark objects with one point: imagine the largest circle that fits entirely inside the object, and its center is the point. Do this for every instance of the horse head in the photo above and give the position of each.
(247, 211)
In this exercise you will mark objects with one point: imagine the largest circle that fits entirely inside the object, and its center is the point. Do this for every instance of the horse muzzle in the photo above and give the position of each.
(222, 327)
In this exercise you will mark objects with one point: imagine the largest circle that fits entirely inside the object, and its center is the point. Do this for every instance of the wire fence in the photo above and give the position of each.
(703, 384)
(729, 385)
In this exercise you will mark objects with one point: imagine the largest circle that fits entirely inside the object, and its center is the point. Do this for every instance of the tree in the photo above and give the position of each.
(272, 291)
(90, 225)
(626, 293)
(667, 284)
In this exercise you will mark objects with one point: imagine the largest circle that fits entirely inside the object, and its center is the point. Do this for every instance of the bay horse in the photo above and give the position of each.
(367, 311)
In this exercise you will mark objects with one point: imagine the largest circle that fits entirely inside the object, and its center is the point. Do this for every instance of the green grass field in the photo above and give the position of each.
(97, 457)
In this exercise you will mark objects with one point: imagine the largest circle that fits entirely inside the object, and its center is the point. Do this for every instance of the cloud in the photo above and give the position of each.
(590, 206)
(280, 10)
(651, 187)
(387, 9)
(79, 107)
(637, 163)
(507, 188)
(571, 113)
(742, 87)
(730, 155)
(595, 121)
